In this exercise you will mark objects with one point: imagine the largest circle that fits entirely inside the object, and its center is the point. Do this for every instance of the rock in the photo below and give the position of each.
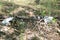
(7, 21)
(48, 19)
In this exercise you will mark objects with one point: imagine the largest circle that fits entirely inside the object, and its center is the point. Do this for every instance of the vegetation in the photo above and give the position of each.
(27, 27)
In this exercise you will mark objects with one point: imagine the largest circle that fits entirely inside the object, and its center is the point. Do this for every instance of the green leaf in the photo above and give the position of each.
(54, 20)
(43, 13)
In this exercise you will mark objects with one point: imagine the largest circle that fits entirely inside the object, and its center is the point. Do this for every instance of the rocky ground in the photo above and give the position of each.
(40, 31)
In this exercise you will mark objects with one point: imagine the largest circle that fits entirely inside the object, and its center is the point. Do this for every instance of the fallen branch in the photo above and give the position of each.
(26, 18)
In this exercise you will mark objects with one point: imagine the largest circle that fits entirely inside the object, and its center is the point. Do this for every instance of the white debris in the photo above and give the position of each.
(7, 20)
(39, 17)
(48, 19)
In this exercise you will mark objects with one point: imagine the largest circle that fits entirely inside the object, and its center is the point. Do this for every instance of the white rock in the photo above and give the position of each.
(48, 19)
(7, 20)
